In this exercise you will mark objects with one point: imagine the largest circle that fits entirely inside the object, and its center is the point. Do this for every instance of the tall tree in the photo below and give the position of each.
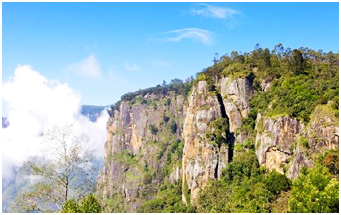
(63, 172)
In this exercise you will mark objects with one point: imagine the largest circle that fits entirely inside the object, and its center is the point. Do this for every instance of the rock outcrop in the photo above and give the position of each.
(274, 139)
(283, 144)
(203, 160)
(145, 134)
(323, 129)
(138, 139)
(200, 159)
(236, 94)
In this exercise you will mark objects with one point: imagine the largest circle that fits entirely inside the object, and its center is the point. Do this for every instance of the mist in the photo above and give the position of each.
(35, 104)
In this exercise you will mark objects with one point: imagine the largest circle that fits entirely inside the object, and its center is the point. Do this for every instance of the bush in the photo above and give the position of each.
(71, 206)
(151, 206)
(276, 182)
(244, 165)
(165, 118)
(153, 129)
(90, 205)
(331, 161)
(174, 126)
(217, 131)
(315, 192)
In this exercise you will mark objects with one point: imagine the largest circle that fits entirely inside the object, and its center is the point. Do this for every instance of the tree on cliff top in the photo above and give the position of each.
(63, 172)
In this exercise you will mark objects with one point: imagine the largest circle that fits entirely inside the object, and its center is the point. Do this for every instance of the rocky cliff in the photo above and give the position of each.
(165, 144)
(139, 138)
(286, 145)
(168, 138)
(203, 159)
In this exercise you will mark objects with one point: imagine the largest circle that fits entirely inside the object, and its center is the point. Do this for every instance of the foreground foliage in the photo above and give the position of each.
(244, 188)
(88, 205)
(315, 191)
(63, 172)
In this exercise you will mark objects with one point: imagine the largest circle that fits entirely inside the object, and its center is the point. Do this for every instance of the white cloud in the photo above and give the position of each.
(87, 68)
(194, 34)
(216, 12)
(34, 105)
(131, 67)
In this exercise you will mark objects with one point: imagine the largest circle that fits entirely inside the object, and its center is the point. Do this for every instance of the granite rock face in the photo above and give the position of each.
(236, 94)
(140, 134)
(203, 160)
(275, 137)
(135, 150)
(144, 132)
(200, 159)
(285, 145)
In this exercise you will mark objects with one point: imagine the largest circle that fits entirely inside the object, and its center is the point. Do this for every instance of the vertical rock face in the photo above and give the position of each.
(274, 139)
(138, 137)
(323, 129)
(236, 94)
(278, 142)
(200, 159)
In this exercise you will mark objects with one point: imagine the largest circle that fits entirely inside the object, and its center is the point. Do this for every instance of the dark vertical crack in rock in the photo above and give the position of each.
(229, 135)
(222, 108)
(216, 168)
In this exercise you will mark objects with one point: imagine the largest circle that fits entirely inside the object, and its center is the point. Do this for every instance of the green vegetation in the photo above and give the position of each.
(153, 129)
(301, 79)
(303, 84)
(217, 132)
(174, 126)
(176, 85)
(331, 161)
(89, 205)
(168, 200)
(125, 157)
(315, 191)
(71, 206)
(244, 188)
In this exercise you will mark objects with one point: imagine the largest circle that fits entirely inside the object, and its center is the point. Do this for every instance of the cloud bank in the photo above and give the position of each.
(35, 104)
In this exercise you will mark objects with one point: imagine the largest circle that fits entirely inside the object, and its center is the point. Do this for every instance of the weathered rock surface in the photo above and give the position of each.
(277, 141)
(298, 162)
(323, 129)
(200, 159)
(129, 134)
(236, 94)
(175, 175)
(131, 148)
(274, 139)
(265, 85)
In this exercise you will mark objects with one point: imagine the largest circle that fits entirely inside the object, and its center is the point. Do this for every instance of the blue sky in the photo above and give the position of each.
(103, 50)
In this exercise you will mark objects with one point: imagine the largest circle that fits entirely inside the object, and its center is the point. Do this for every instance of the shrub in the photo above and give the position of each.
(174, 126)
(71, 206)
(276, 182)
(331, 161)
(90, 205)
(217, 131)
(153, 129)
(165, 118)
(315, 192)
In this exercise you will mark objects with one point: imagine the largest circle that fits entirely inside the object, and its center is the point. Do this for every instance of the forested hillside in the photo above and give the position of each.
(254, 132)
(257, 132)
